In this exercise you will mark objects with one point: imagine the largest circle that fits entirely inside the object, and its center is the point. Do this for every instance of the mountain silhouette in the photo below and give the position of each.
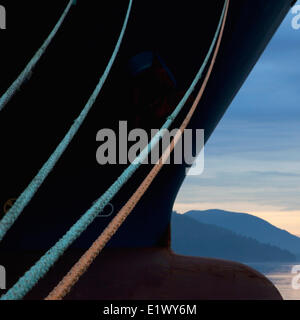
(250, 226)
(190, 237)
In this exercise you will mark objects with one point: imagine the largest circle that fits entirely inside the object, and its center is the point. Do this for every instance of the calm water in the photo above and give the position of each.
(280, 274)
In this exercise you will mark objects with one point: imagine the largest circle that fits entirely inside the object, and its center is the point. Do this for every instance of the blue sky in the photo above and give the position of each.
(252, 161)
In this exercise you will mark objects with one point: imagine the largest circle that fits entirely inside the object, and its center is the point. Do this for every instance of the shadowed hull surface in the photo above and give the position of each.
(37, 118)
(150, 274)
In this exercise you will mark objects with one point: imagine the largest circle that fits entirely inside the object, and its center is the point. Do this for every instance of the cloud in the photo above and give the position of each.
(252, 161)
(272, 89)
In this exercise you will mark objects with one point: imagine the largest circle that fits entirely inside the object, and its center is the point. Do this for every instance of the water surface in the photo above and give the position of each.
(281, 275)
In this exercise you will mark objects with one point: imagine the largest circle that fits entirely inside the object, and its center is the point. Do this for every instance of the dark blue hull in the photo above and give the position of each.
(37, 118)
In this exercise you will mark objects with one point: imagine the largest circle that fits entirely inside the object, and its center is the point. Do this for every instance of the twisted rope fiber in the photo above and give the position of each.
(36, 272)
(15, 211)
(25, 74)
(71, 278)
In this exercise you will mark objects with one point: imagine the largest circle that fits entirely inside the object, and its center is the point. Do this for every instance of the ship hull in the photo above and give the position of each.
(37, 118)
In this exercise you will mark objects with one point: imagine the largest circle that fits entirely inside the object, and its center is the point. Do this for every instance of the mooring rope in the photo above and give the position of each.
(25, 74)
(15, 211)
(36, 272)
(71, 278)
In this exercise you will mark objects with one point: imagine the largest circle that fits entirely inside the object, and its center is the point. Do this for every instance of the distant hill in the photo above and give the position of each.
(190, 237)
(249, 226)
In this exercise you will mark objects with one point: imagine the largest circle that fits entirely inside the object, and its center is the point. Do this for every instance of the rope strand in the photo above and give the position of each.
(26, 73)
(15, 211)
(36, 272)
(71, 278)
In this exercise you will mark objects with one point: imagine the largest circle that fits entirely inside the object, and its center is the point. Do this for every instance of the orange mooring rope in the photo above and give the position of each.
(66, 284)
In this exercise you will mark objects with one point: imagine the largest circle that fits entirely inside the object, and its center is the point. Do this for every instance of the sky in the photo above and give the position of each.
(252, 160)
